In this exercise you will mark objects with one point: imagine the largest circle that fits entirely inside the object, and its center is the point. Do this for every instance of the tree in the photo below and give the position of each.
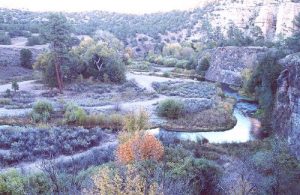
(293, 42)
(263, 84)
(236, 37)
(26, 58)
(99, 60)
(58, 34)
(15, 86)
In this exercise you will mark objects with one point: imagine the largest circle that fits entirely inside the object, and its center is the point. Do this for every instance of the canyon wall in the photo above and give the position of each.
(274, 17)
(287, 105)
(228, 64)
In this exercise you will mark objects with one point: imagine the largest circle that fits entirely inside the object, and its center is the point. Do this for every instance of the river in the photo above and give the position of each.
(240, 133)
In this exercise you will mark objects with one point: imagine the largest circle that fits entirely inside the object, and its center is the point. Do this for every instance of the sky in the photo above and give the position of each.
(122, 6)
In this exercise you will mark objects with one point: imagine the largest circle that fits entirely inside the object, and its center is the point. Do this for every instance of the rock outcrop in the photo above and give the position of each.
(228, 63)
(287, 105)
(272, 16)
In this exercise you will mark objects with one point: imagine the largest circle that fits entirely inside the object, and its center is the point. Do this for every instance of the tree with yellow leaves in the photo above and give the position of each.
(123, 181)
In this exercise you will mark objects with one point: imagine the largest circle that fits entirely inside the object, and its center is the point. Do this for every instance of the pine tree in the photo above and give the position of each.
(57, 32)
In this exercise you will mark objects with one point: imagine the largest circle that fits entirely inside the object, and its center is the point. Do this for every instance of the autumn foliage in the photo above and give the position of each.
(140, 147)
(123, 181)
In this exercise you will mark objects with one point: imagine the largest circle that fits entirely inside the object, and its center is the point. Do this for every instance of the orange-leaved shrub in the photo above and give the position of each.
(141, 146)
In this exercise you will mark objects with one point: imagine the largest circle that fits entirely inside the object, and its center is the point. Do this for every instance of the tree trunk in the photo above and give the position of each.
(58, 77)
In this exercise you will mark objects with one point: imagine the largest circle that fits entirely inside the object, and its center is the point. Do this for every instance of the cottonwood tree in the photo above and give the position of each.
(57, 32)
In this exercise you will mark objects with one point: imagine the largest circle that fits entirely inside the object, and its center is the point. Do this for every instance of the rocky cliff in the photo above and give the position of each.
(228, 63)
(274, 17)
(287, 105)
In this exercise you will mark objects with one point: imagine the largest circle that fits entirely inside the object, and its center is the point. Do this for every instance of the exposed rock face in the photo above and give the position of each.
(287, 105)
(285, 17)
(10, 54)
(228, 63)
(272, 16)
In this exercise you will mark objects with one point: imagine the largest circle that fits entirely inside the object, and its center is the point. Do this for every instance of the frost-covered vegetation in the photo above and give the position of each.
(81, 124)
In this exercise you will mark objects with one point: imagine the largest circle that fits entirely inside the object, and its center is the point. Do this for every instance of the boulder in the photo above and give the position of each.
(287, 104)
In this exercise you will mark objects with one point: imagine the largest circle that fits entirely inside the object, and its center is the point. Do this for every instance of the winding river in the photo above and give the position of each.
(240, 133)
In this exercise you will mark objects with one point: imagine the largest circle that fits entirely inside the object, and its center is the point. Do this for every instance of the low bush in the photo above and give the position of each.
(169, 62)
(8, 93)
(182, 64)
(34, 40)
(158, 60)
(41, 112)
(74, 114)
(140, 147)
(4, 39)
(203, 66)
(136, 122)
(12, 182)
(141, 66)
(28, 144)
(166, 74)
(5, 101)
(172, 109)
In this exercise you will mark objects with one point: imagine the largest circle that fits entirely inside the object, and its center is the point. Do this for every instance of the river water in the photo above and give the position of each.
(240, 133)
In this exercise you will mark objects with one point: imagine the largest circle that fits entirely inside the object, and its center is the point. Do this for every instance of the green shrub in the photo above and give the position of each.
(169, 62)
(12, 182)
(116, 71)
(262, 83)
(114, 121)
(158, 60)
(5, 101)
(34, 40)
(15, 86)
(26, 58)
(166, 74)
(151, 58)
(4, 39)
(171, 109)
(42, 111)
(141, 66)
(136, 122)
(39, 183)
(203, 66)
(182, 63)
(74, 114)
(7, 93)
